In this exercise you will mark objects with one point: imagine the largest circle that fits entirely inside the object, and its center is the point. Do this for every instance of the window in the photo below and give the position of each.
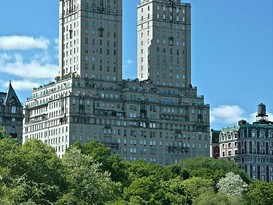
(13, 109)
(73, 101)
(254, 133)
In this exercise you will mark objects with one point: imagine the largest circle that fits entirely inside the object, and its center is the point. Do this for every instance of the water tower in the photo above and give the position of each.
(261, 113)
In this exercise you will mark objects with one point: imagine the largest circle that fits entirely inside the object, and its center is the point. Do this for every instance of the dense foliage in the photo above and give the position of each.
(32, 174)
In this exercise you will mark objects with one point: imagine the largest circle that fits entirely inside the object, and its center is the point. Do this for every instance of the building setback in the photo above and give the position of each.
(138, 119)
(11, 114)
(251, 145)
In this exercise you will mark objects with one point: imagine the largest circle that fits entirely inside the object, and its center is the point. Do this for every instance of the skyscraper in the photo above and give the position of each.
(158, 119)
(164, 42)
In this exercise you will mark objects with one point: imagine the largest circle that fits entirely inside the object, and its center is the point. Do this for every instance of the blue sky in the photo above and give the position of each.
(232, 51)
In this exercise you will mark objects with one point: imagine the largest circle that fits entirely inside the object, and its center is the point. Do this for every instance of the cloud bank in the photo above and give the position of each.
(37, 67)
(20, 85)
(231, 114)
(23, 43)
(227, 114)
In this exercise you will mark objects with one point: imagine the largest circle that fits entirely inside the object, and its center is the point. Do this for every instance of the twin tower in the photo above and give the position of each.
(91, 40)
(157, 117)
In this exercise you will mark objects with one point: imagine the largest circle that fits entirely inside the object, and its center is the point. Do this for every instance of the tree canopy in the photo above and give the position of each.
(32, 174)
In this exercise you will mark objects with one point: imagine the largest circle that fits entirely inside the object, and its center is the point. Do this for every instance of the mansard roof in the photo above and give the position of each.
(11, 97)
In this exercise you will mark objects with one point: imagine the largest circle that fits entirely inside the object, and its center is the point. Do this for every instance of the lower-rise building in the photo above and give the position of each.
(228, 140)
(251, 145)
(11, 114)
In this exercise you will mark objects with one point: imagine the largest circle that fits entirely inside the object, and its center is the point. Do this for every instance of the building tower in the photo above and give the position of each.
(91, 39)
(164, 42)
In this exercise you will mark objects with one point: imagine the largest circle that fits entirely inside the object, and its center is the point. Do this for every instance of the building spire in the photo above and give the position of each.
(11, 96)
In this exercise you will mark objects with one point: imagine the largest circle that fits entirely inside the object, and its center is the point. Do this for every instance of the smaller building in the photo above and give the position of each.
(11, 114)
(228, 140)
(251, 145)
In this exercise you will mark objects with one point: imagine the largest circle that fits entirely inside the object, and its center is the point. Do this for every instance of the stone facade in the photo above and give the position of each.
(138, 119)
(255, 150)
(164, 42)
(91, 38)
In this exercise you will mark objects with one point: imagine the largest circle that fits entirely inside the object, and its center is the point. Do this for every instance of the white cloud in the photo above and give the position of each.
(21, 84)
(227, 114)
(23, 43)
(129, 62)
(38, 67)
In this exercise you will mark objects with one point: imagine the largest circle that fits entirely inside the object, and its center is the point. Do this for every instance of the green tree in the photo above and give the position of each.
(211, 198)
(2, 133)
(196, 186)
(141, 168)
(232, 185)
(260, 193)
(30, 173)
(41, 165)
(110, 163)
(175, 192)
(209, 168)
(145, 190)
(9, 154)
(178, 170)
(87, 183)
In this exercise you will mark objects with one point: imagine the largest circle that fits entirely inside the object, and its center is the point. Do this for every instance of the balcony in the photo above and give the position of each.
(172, 148)
(111, 144)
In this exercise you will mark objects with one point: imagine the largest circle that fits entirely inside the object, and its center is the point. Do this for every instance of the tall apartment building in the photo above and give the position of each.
(251, 145)
(11, 114)
(164, 42)
(138, 119)
(91, 38)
